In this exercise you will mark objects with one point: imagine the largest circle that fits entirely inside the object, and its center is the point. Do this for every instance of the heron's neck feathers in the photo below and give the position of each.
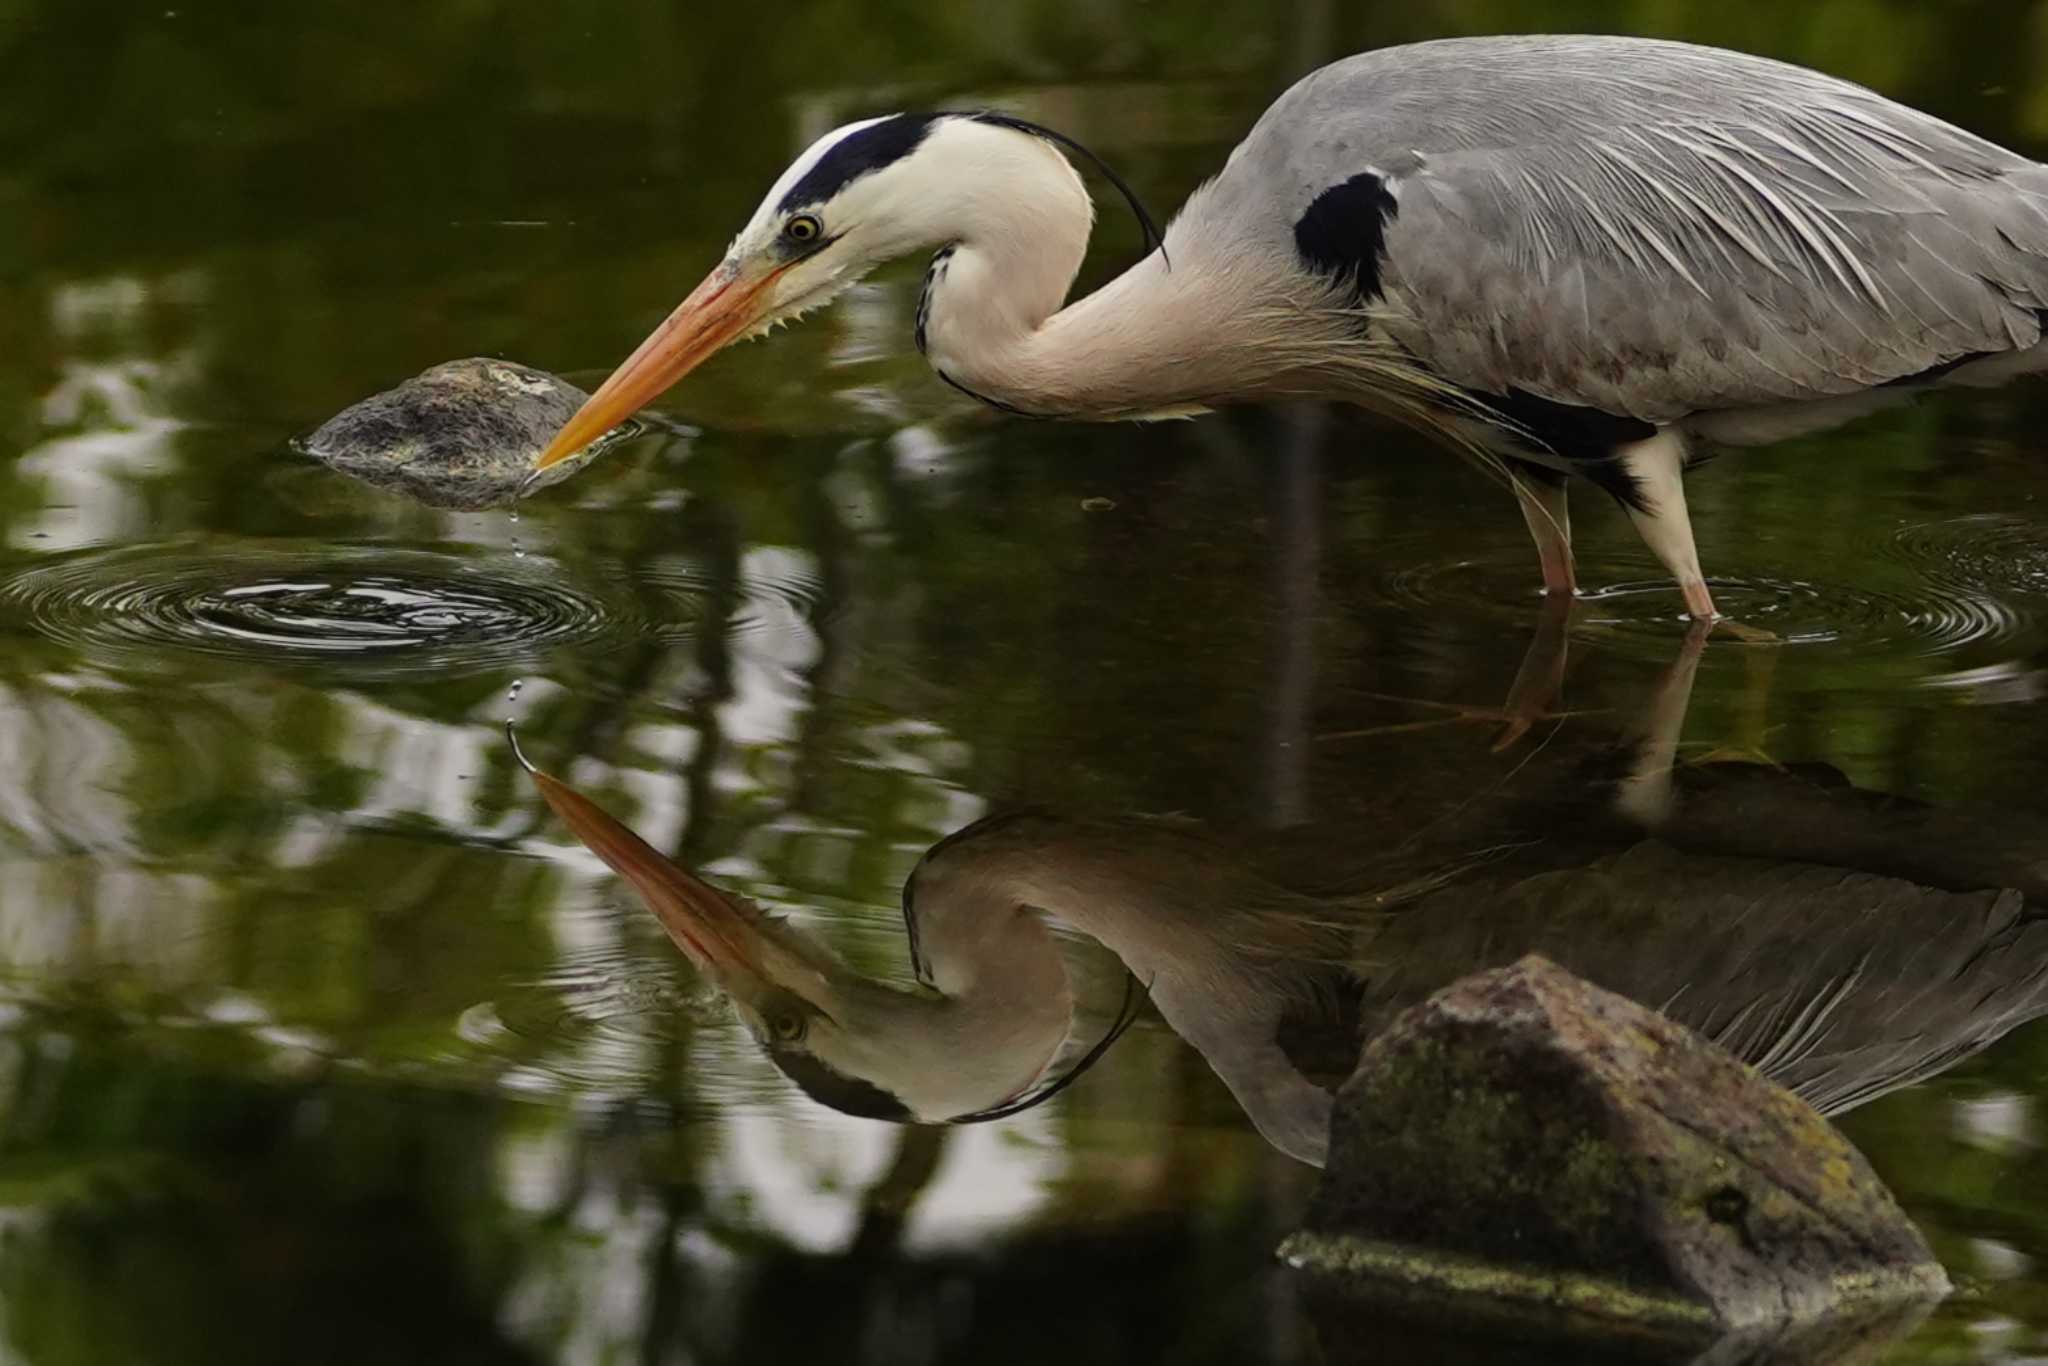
(1159, 340)
(1002, 1012)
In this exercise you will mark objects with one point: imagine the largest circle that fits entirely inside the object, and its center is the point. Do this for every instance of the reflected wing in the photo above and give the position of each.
(1838, 984)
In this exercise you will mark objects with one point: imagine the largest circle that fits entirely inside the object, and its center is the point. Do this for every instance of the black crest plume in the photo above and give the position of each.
(1154, 239)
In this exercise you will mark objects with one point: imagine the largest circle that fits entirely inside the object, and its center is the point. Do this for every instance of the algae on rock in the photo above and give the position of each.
(1528, 1141)
(462, 435)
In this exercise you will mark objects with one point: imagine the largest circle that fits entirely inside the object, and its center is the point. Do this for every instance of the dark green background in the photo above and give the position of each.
(322, 1041)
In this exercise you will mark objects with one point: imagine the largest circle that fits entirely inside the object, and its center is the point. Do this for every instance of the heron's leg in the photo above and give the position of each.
(1542, 495)
(1540, 681)
(1751, 744)
(1656, 467)
(1645, 795)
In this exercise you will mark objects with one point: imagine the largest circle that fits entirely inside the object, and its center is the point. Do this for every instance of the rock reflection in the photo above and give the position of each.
(1344, 1328)
(1844, 942)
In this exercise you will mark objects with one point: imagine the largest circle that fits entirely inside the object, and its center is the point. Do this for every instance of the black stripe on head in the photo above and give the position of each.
(1154, 239)
(1343, 234)
(831, 1087)
(857, 154)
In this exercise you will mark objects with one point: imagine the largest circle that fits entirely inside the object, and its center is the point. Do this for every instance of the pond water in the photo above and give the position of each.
(321, 1037)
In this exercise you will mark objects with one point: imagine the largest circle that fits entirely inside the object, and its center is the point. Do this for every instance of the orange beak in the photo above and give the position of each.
(717, 311)
(727, 938)
(713, 933)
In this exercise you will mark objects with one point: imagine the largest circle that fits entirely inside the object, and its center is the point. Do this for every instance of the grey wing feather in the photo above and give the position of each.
(1659, 230)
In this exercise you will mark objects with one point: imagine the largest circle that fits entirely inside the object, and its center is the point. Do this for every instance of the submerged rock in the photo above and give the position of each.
(1526, 1145)
(461, 435)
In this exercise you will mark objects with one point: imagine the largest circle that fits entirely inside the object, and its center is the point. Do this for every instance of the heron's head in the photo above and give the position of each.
(856, 1044)
(859, 196)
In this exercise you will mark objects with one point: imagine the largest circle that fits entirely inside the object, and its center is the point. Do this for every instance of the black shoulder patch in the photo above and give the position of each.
(1343, 233)
(856, 155)
(831, 1087)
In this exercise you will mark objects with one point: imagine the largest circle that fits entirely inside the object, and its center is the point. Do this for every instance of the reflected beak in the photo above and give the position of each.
(719, 938)
(721, 309)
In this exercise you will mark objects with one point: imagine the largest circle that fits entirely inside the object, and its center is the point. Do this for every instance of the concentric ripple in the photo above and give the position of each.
(1990, 555)
(598, 1023)
(1933, 605)
(368, 611)
(777, 600)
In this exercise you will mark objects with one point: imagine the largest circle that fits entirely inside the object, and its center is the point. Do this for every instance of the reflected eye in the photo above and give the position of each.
(803, 228)
(786, 1025)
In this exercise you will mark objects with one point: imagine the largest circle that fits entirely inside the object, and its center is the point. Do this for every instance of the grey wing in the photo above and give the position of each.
(1661, 269)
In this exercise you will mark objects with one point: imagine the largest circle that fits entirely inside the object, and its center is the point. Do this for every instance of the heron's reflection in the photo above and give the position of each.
(1845, 942)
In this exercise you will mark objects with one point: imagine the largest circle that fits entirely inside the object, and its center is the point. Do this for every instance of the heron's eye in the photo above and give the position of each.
(786, 1025)
(803, 228)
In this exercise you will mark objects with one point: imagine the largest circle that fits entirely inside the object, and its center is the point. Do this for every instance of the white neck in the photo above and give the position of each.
(1156, 341)
(1215, 945)
(1004, 1009)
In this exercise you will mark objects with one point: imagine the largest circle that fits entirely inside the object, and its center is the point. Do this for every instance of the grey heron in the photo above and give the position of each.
(1576, 256)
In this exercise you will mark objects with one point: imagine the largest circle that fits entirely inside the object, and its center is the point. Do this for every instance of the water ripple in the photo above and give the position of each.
(1988, 554)
(674, 598)
(370, 611)
(1953, 591)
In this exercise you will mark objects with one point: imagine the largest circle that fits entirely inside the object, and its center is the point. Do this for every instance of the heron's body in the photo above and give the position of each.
(1591, 250)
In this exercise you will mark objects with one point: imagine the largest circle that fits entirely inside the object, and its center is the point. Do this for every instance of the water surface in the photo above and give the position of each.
(322, 1038)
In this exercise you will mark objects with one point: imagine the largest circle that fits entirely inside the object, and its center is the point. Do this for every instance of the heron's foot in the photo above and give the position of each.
(1735, 754)
(1518, 723)
(1532, 699)
(1699, 603)
(1515, 719)
(1701, 613)
(1747, 634)
(1560, 579)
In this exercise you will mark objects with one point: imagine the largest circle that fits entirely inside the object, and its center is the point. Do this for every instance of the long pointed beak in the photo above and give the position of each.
(722, 308)
(718, 937)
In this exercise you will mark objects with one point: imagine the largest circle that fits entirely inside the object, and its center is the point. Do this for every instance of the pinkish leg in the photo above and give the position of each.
(1658, 467)
(1545, 509)
(1540, 681)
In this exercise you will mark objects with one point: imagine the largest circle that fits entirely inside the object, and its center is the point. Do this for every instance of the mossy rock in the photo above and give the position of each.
(1527, 1142)
(462, 435)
